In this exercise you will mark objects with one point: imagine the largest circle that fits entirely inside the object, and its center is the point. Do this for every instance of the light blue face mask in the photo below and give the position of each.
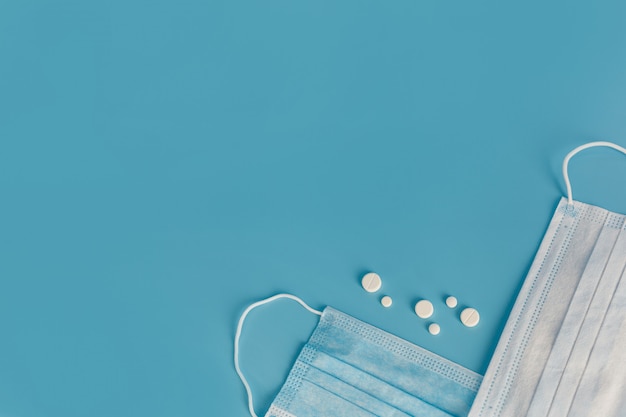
(563, 350)
(351, 369)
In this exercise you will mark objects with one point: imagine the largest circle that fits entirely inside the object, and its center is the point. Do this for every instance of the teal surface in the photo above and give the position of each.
(165, 163)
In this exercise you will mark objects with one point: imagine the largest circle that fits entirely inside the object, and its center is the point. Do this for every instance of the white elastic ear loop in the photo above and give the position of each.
(238, 335)
(570, 199)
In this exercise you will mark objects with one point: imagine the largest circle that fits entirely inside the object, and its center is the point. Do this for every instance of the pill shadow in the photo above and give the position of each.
(360, 273)
(428, 320)
(457, 314)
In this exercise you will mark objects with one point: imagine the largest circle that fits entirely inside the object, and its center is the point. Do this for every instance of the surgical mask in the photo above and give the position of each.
(563, 349)
(351, 369)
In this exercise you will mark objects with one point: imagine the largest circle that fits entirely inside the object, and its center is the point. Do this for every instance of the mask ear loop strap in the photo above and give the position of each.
(570, 199)
(238, 335)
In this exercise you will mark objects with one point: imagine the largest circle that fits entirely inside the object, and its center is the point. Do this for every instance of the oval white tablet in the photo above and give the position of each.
(371, 282)
(470, 317)
(451, 302)
(386, 301)
(424, 309)
(434, 329)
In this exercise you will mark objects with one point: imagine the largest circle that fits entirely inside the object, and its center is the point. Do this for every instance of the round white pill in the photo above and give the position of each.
(371, 282)
(470, 317)
(386, 301)
(434, 329)
(424, 309)
(451, 302)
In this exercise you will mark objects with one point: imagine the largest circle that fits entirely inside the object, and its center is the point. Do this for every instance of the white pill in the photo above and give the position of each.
(371, 282)
(434, 329)
(386, 301)
(424, 309)
(470, 317)
(451, 302)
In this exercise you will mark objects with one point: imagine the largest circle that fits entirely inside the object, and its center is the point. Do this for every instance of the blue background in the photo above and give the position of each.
(165, 163)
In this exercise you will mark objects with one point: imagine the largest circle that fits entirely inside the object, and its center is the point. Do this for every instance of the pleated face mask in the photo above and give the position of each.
(351, 369)
(562, 352)
(563, 349)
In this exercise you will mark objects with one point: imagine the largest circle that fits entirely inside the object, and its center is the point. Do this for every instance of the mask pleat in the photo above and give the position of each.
(350, 393)
(562, 353)
(579, 306)
(431, 379)
(328, 399)
(388, 398)
(530, 333)
(351, 369)
(603, 381)
(590, 325)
